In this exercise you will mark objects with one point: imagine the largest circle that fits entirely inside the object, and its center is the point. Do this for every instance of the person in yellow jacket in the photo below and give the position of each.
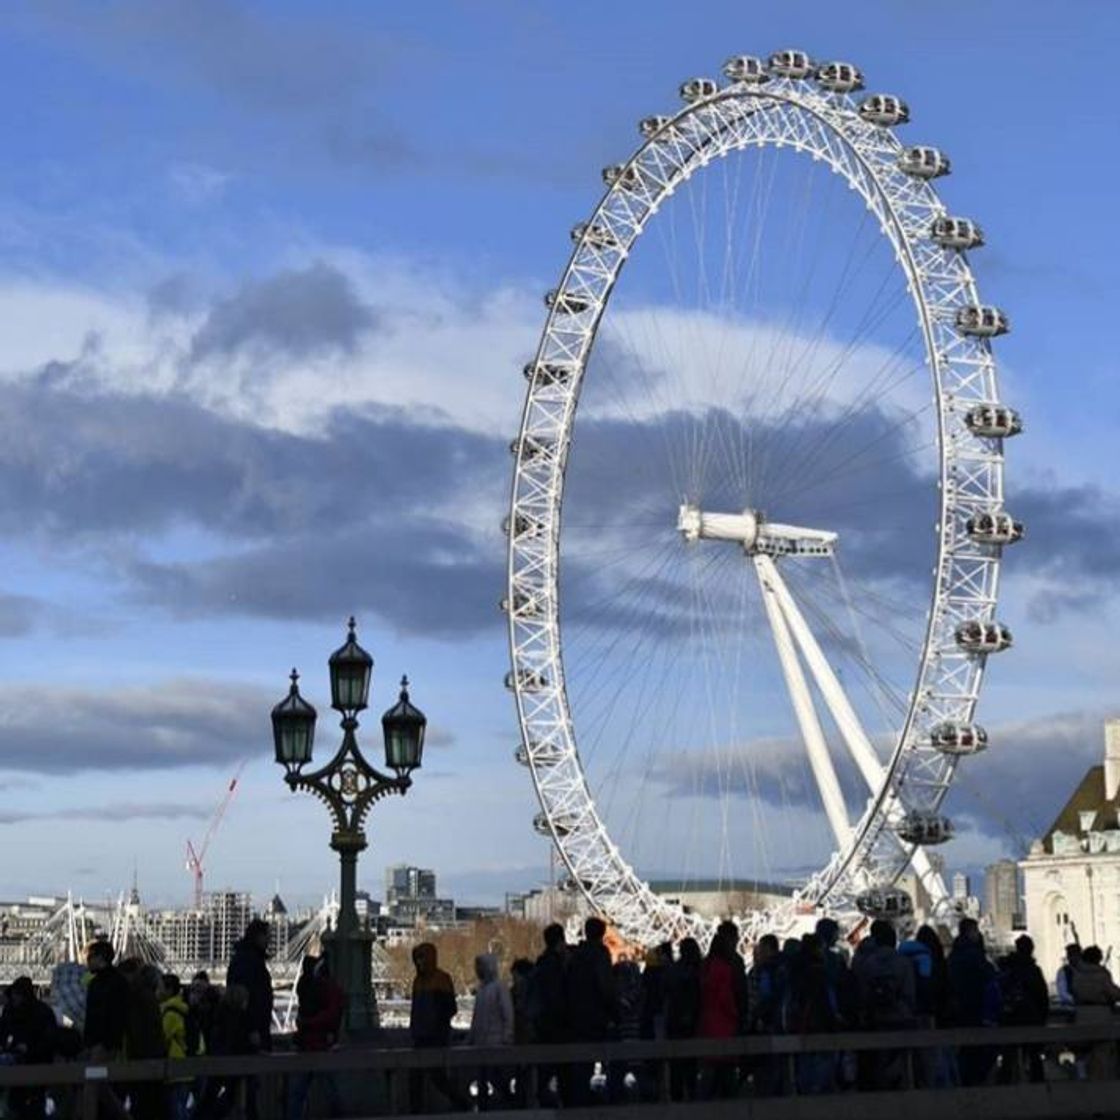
(181, 1034)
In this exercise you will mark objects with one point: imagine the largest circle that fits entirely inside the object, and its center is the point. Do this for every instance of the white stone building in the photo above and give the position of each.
(1071, 879)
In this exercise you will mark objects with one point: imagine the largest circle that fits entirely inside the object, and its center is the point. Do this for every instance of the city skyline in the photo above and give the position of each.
(266, 319)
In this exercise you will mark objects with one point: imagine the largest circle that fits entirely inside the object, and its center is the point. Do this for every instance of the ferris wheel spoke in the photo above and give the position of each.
(823, 771)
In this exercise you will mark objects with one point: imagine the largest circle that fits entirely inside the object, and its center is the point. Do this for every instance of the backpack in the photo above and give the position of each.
(883, 998)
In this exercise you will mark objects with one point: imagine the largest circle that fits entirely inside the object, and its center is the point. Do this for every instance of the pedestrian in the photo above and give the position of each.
(591, 1004)
(767, 981)
(524, 1029)
(248, 969)
(106, 1015)
(934, 1068)
(203, 999)
(720, 1013)
(1024, 1002)
(320, 1006)
(433, 1007)
(143, 1037)
(812, 1008)
(1063, 981)
(974, 998)
(1096, 995)
(627, 1025)
(229, 1037)
(491, 1028)
(27, 1034)
(682, 1015)
(886, 992)
(658, 961)
(181, 1038)
(549, 1012)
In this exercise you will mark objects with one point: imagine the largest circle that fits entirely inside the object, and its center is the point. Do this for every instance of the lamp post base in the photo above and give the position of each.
(351, 956)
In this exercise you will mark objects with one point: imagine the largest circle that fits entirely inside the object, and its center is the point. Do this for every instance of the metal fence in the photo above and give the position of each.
(375, 1080)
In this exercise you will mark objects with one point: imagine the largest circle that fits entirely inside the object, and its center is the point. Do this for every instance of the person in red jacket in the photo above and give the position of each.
(321, 1004)
(721, 1012)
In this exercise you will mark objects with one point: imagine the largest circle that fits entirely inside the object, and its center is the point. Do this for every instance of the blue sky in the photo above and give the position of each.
(251, 253)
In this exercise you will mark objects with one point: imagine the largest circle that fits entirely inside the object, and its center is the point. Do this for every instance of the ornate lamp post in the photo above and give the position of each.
(348, 785)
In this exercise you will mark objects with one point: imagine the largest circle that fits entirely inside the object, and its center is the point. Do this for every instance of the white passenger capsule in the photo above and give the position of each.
(543, 753)
(924, 162)
(651, 126)
(993, 421)
(790, 64)
(745, 68)
(623, 175)
(958, 738)
(549, 373)
(885, 902)
(566, 303)
(571, 885)
(840, 77)
(523, 604)
(994, 526)
(980, 636)
(982, 320)
(884, 110)
(594, 234)
(521, 755)
(696, 89)
(560, 825)
(956, 233)
(919, 826)
(523, 526)
(531, 449)
(528, 680)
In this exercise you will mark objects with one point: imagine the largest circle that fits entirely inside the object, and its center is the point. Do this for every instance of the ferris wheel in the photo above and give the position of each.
(727, 645)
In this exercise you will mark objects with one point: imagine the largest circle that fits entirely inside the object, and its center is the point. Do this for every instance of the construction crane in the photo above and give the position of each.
(195, 856)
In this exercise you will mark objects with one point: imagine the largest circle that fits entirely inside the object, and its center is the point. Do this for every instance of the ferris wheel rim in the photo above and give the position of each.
(575, 815)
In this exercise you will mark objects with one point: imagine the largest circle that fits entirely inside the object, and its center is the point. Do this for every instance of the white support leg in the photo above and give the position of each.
(863, 753)
(819, 759)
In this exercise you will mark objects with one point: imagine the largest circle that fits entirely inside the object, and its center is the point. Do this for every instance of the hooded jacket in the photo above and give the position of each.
(492, 1020)
(433, 999)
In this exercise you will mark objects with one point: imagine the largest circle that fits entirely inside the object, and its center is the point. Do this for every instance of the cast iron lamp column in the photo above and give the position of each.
(348, 785)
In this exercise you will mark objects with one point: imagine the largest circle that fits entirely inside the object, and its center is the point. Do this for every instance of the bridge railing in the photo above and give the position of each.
(377, 1079)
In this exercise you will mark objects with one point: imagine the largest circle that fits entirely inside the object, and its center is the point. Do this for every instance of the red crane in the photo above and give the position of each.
(195, 857)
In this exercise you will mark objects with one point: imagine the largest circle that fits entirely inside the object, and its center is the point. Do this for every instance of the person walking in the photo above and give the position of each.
(248, 969)
(591, 1004)
(721, 1013)
(429, 1024)
(27, 1035)
(229, 1037)
(1024, 1002)
(974, 999)
(885, 984)
(549, 1012)
(107, 999)
(682, 1015)
(181, 1038)
(1095, 995)
(321, 1003)
(491, 1027)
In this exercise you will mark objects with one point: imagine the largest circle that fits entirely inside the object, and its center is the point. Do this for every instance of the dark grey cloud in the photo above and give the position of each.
(298, 313)
(113, 812)
(171, 724)
(19, 615)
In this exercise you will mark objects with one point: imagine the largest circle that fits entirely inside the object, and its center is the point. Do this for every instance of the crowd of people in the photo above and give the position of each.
(580, 993)
(808, 985)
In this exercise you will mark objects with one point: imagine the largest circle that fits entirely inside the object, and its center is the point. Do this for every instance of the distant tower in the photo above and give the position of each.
(962, 887)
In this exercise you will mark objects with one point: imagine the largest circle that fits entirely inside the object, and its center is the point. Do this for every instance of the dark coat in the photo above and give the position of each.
(1024, 992)
(682, 1000)
(433, 1000)
(589, 993)
(29, 1031)
(547, 997)
(321, 1004)
(107, 999)
(229, 1031)
(248, 967)
(143, 1032)
(971, 975)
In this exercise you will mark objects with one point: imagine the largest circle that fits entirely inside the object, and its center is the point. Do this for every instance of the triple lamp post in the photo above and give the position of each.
(348, 785)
